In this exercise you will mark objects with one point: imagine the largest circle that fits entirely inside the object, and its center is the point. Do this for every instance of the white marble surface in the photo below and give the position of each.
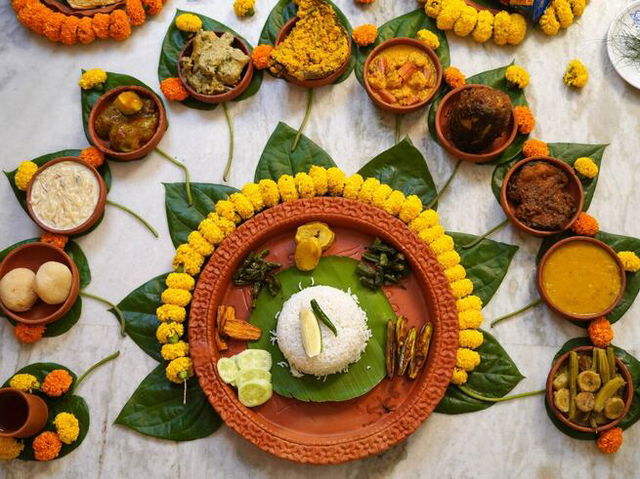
(41, 113)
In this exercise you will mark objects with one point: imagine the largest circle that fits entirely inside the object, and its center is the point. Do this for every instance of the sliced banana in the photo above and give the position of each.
(561, 380)
(589, 381)
(307, 254)
(585, 401)
(613, 408)
(561, 399)
(317, 230)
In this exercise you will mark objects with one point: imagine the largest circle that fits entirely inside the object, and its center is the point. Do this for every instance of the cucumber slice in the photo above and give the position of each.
(254, 359)
(246, 375)
(310, 331)
(228, 370)
(254, 393)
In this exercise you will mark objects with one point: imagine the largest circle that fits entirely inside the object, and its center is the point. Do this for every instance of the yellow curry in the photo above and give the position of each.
(581, 278)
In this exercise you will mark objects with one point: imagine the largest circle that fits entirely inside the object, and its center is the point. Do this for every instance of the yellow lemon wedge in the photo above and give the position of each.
(310, 332)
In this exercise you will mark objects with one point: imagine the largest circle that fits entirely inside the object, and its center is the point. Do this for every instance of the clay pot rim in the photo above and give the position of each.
(63, 307)
(319, 82)
(565, 420)
(101, 103)
(507, 206)
(61, 7)
(602, 245)
(91, 220)
(455, 151)
(236, 91)
(23, 396)
(402, 109)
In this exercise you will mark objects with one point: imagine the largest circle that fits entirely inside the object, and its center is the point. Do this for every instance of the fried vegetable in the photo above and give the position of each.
(317, 230)
(561, 399)
(611, 359)
(401, 332)
(220, 319)
(390, 349)
(315, 307)
(256, 272)
(236, 328)
(613, 408)
(607, 391)
(603, 366)
(573, 379)
(589, 381)
(381, 265)
(585, 401)
(407, 351)
(561, 380)
(421, 351)
(128, 102)
(584, 362)
(307, 254)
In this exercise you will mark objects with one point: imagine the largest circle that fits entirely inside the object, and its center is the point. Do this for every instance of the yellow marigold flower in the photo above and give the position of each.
(10, 448)
(366, 191)
(242, 205)
(524, 119)
(320, 181)
(533, 147)
(335, 181)
(578, 6)
(585, 225)
(429, 38)
(252, 192)
(517, 76)
(429, 235)
(471, 338)
(466, 22)
(24, 382)
(548, 22)
(190, 260)
(469, 303)
(226, 209)
(563, 12)
(517, 29)
(179, 297)
(352, 186)
(380, 195)
(179, 370)
(67, 426)
(450, 12)
(211, 231)
(92, 78)
(226, 226)
(188, 22)
(467, 359)
(393, 204)
(411, 208)
(269, 191)
(180, 281)
(365, 34)
(454, 77)
(426, 219)
(199, 244)
(462, 288)
(459, 376)
(287, 188)
(433, 7)
(484, 27)
(576, 75)
(586, 167)
(169, 332)
(470, 319)
(171, 312)
(305, 186)
(449, 259)
(455, 273)
(25, 172)
(173, 351)
(501, 26)
(442, 244)
(630, 261)
(244, 8)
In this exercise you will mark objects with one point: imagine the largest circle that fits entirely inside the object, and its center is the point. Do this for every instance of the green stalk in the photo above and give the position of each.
(446, 185)
(480, 397)
(135, 215)
(516, 313)
(398, 127)
(84, 375)
(187, 178)
(111, 305)
(304, 120)
(227, 168)
(488, 233)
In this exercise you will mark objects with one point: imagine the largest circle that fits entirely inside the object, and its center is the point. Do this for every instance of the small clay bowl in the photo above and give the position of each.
(443, 131)
(235, 92)
(104, 101)
(283, 33)
(97, 213)
(401, 109)
(32, 256)
(628, 395)
(582, 317)
(575, 189)
(21, 414)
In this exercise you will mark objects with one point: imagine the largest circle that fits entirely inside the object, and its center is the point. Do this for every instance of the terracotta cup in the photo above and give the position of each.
(106, 100)
(401, 109)
(627, 397)
(283, 33)
(545, 297)
(31, 256)
(95, 216)
(234, 92)
(443, 131)
(575, 189)
(64, 8)
(21, 414)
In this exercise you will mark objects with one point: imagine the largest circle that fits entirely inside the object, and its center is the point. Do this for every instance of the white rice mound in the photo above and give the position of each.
(338, 352)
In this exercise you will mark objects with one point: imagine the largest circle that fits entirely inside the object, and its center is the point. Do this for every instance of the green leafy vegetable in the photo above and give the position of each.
(77, 255)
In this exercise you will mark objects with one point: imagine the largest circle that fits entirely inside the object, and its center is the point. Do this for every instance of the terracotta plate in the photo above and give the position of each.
(329, 432)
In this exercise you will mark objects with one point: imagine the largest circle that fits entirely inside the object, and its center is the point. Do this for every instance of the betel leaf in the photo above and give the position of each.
(495, 377)
(403, 168)
(284, 11)
(363, 375)
(406, 25)
(277, 159)
(77, 255)
(182, 218)
(66, 322)
(486, 263)
(156, 409)
(173, 44)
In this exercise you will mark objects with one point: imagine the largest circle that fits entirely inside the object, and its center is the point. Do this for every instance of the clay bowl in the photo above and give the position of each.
(327, 432)
(283, 33)
(575, 189)
(31, 256)
(97, 213)
(401, 109)
(221, 97)
(443, 131)
(583, 317)
(628, 395)
(104, 101)
(21, 414)
(62, 7)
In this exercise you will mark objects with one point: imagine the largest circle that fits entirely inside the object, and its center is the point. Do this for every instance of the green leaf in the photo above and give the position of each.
(486, 263)
(406, 25)
(172, 45)
(156, 409)
(66, 322)
(365, 374)
(495, 377)
(403, 168)
(77, 255)
(182, 218)
(277, 159)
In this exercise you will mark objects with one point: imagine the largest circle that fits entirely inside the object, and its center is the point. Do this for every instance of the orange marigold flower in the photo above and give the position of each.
(69, 30)
(610, 441)
(173, 89)
(100, 24)
(533, 147)
(454, 77)
(600, 332)
(85, 31)
(260, 56)
(119, 26)
(153, 6)
(52, 26)
(46, 446)
(524, 119)
(365, 34)
(29, 334)
(56, 240)
(93, 156)
(136, 12)
(585, 225)
(56, 383)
